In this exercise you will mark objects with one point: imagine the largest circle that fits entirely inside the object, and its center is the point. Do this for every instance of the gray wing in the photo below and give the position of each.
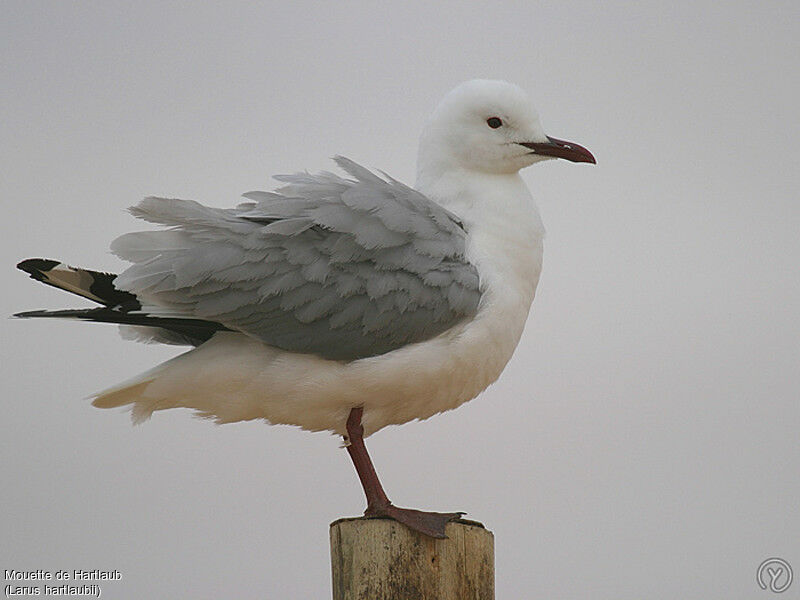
(340, 268)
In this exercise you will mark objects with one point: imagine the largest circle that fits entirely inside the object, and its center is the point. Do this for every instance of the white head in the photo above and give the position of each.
(489, 126)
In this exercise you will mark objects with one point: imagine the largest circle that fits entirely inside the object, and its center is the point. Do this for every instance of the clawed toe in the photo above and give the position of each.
(429, 523)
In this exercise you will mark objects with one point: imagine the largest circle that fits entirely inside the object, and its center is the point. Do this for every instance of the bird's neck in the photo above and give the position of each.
(484, 201)
(502, 220)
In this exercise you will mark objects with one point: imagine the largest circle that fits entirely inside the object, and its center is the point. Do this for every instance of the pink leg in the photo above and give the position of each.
(378, 503)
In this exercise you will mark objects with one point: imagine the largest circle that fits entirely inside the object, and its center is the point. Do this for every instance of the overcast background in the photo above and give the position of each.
(644, 440)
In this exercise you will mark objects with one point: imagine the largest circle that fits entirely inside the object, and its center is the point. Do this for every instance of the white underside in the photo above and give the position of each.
(233, 377)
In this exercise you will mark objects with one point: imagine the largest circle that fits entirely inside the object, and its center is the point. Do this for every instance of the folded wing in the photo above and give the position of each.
(340, 268)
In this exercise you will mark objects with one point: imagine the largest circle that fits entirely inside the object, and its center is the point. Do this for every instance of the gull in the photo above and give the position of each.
(340, 304)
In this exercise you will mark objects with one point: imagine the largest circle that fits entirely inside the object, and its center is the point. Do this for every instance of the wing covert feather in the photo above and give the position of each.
(340, 268)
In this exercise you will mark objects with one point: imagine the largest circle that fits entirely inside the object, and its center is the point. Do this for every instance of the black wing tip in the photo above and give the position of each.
(29, 314)
(35, 267)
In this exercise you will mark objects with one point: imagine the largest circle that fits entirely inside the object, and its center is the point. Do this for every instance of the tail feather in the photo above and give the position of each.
(132, 392)
(120, 396)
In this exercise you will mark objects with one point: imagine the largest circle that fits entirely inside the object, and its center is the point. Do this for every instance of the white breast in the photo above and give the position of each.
(505, 244)
(443, 373)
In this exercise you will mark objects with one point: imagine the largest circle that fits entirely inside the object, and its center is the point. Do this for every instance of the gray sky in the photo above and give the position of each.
(642, 443)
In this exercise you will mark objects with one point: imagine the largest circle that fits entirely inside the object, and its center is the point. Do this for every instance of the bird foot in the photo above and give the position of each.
(429, 523)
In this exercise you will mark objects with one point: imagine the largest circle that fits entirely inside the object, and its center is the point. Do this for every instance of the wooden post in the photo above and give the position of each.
(380, 559)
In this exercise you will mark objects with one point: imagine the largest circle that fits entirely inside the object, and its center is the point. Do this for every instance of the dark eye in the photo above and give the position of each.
(494, 122)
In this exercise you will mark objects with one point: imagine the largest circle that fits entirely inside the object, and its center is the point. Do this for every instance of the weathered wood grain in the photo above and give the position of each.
(380, 559)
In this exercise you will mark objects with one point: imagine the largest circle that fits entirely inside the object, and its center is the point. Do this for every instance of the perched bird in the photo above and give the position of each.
(339, 304)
